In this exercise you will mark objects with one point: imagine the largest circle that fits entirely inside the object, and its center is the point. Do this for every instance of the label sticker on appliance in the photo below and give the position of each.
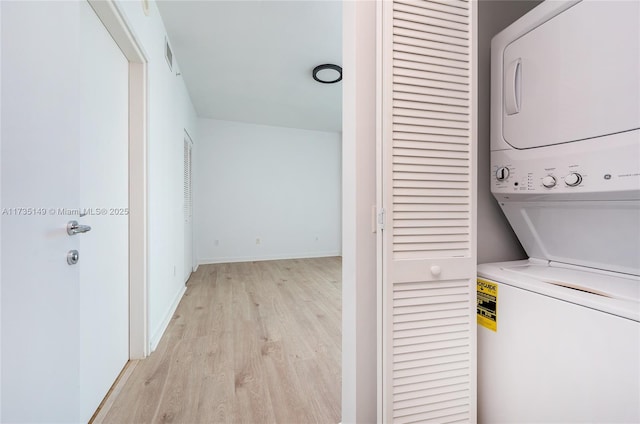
(487, 293)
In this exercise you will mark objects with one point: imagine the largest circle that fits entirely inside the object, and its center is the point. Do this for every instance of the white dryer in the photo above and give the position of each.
(559, 334)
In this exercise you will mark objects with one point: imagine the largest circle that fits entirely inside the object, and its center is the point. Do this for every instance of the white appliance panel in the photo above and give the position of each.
(574, 77)
(582, 233)
(594, 223)
(609, 168)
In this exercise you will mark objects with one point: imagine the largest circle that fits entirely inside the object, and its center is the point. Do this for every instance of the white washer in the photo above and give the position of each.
(560, 340)
(566, 347)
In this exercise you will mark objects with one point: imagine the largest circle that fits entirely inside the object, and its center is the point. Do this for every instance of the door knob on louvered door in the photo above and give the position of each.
(435, 270)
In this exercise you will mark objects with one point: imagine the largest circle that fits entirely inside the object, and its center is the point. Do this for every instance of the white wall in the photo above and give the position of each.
(170, 113)
(496, 239)
(359, 264)
(279, 185)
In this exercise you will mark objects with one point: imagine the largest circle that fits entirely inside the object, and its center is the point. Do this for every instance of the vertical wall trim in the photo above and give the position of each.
(380, 39)
(116, 24)
(348, 210)
(359, 359)
(138, 213)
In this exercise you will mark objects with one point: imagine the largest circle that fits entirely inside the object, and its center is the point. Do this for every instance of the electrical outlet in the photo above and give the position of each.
(317, 238)
(258, 241)
(216, 243)
(174, 270)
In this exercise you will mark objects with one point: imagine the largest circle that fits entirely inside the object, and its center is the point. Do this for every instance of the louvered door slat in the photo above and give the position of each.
(449, 50)
(435, 161)
(463, 4)
(457, 67)
(187, 187)
(413, 94)
(431, 84)
(430, 123)
(419, 63)
(431, 391)
(420, 379)
(435, 154)
(442, 143)
(445, 6)
(435, 176)
(430, 77)
(416, 226)
(429, 110)
(425, 9)
(437, 415)
(407, 336)
(430, 230)
(414, 30)
(425, 191)
(433, 130)
(416, 326)
(430, 114)
(431, 387)
(428, 191)
(416, 211)
(407, 368)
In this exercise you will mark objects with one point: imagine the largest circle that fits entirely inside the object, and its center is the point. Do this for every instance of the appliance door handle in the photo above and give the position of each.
(513, 87)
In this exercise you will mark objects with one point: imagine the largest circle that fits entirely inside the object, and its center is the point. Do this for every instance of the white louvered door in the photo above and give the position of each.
(428, 194)
(188, 208)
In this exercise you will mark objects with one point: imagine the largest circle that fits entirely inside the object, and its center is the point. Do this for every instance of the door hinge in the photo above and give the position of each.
(381, 219)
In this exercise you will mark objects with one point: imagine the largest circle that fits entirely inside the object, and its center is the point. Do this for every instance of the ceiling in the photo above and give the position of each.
(251, 61)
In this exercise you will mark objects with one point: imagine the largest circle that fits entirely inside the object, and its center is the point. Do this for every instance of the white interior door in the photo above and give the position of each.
(103, 189)
(39, 174)
(64, 327)
(428, 194)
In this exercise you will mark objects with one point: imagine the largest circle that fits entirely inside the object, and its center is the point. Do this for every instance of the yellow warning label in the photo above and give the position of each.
(487, 304)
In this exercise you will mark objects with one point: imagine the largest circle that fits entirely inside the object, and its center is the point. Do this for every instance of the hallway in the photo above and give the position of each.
(250, 342)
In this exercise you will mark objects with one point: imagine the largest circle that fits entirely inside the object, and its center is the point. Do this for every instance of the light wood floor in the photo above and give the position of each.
(255, 342)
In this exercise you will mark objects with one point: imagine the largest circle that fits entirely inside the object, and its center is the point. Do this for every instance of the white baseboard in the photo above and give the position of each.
(231, 259)
(157, 335)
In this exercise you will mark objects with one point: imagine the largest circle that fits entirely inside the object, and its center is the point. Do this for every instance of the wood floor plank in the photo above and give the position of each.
(254, 342)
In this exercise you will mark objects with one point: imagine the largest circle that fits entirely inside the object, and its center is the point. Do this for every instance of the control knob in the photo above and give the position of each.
(502, 173)
(549, 181)
(573, 179)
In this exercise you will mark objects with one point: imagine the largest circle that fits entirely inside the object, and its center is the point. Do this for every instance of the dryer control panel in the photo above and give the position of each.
(588, 166)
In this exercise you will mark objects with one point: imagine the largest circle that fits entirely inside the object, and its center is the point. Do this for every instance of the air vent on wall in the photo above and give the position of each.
(168, 54)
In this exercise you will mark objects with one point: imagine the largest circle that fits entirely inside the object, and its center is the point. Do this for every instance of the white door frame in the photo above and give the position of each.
(116, 24)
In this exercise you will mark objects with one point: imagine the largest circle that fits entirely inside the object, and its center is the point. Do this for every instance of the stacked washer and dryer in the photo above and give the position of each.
(559, 339)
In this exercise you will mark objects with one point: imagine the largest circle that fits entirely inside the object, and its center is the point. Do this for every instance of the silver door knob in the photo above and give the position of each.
(74, 228)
